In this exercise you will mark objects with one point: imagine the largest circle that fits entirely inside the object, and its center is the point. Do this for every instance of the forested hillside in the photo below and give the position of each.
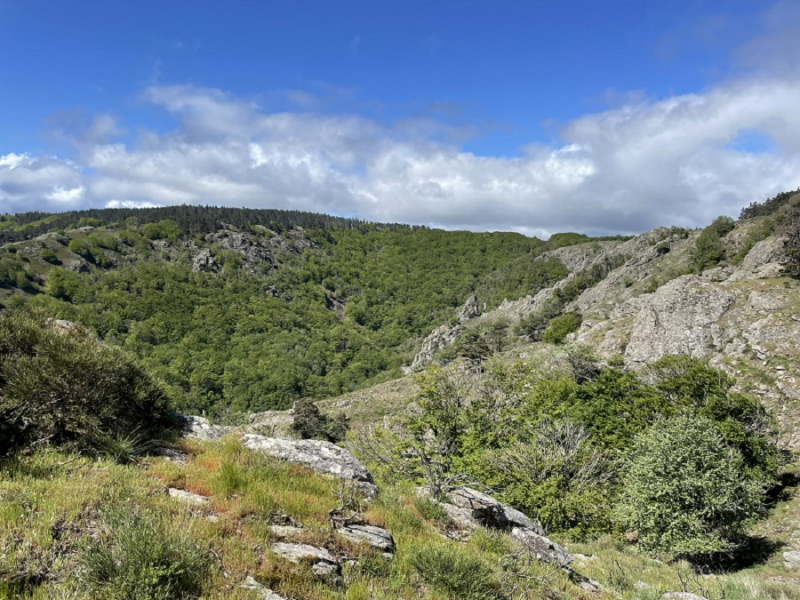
(250, 310)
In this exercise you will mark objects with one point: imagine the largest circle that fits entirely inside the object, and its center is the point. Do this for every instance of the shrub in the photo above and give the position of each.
(561, 327)
(309, 423)
(81, 248)
(556, 474)
(709, 248)
(163, 230)
(456, 573)
(139, 556)
(58, 385)
(685, 491)
(49, 256)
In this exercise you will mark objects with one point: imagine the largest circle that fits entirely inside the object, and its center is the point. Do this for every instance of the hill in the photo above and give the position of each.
(584, 418)
(252, 309)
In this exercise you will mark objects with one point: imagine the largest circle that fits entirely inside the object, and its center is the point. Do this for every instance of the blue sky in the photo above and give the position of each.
(535, 116)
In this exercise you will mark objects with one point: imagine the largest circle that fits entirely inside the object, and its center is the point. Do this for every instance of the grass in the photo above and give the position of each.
(71, 527)
(74, 527)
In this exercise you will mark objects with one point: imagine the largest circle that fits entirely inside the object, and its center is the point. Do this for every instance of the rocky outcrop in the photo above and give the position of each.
(377, 537)
(444, 335)
(322, 457)
(489, 512)
(679, 318)
(205, 261)
(323, 564)
(201, 429)
(765, 259)
(469, 310)
(791, 560)
(470, 509)
(542, 548)
(261, 590)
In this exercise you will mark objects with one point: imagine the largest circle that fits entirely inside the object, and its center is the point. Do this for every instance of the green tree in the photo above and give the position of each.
(685, 491)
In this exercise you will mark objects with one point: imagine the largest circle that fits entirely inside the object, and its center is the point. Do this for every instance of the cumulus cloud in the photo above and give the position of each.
(647, 163)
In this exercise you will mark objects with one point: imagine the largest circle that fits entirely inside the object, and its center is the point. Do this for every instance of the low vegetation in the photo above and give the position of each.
(569, 446)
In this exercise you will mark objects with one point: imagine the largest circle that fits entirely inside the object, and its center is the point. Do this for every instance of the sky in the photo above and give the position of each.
(534, 116)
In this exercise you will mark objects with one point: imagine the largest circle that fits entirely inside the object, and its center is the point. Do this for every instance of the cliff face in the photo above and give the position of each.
(745, 318)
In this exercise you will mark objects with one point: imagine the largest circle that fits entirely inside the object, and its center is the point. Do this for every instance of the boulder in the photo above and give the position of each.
(541, 547)
(791, 560)
(187, 497)
(682, 596)
(201, 429)
(491, 513)
(264, 592)
(285, 531)
(317, 455)
(298, 553)
(377, 537)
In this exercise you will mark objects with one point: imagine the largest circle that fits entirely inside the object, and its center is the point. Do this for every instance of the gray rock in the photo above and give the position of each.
(682, 596)
(461, 517)
(205, 261)
(679, 318)
(272, 423)
(541, 547)
(441, 337)
(187, 497)
(298, 553)
(469, 310)
(791, 560)
(320, 456)
(377, 537)
(444, 335)
(765, 259)
(285, 531)
(490, 512)
(261, 590)
(201, 429)
(325, 570)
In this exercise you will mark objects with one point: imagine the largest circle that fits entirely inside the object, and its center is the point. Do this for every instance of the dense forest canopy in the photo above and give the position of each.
(286, 305)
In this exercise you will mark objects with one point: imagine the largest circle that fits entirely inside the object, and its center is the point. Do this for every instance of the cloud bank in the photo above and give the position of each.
(681, 160)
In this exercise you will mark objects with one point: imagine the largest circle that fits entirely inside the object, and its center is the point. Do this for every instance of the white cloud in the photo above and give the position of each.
(624, 170)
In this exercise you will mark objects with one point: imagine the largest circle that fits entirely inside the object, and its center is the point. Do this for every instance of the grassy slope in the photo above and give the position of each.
(53, 505)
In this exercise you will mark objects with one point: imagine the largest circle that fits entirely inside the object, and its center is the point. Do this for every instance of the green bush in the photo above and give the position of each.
(81, 248)
(139, 556)
(163, 230)
(456, 572)
(709, 248)
(309, 423)
(49, 256)
(561, 327)
(58, 385)
(685, 491)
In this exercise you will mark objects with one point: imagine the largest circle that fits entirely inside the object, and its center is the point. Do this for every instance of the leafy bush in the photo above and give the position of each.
(561, 327)
(457, 573)
(81, 248)
(555, 474)
(47, 255)
(309, 423)
(163, 230)
(139, 556)
(709, 247)
(685, 491)
(60, 386)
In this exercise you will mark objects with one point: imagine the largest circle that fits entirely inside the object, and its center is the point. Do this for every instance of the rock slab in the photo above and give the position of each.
(791, 560)
(322, 457)
(377, 537)
(543, 548)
